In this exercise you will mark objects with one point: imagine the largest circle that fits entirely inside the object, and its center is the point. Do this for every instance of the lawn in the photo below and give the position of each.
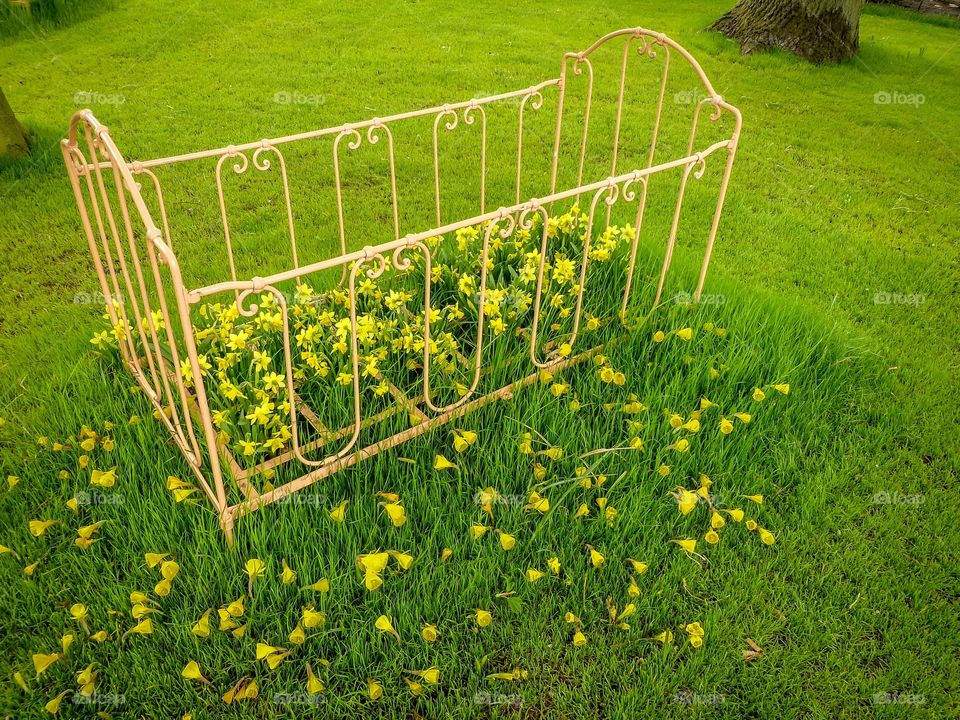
(837, 268)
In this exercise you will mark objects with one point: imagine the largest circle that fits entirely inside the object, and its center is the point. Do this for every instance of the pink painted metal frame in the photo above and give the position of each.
(125, 278)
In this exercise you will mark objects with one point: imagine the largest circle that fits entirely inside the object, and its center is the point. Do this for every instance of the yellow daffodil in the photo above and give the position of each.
(297, 635)
(339, 513)
(287, 576)
(313, 618)
(712, 537)
(665, 637)
(314, 684)
(758, 394)
(483, 617)
(758, 499)
(430, 633)
(42, 661)
(104, 479)
(53, 706)
(579, 639)
(726, 427)
(431, 676)
(39, 527)
(396, 513)
(441, 463)
(463, 439)
(404, 560)
(374, 689)
(686, 500)
(783, 388)
(154, 559)
(532, 575)
(446, 554)
(687, 545)
(191, 671)
(736, 514)
(322, 585)
(384, 625)
(507, 541)
(596, 559)
(766, 537)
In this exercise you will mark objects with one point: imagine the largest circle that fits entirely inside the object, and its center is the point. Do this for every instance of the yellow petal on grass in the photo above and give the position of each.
(532, 575)
(404, 560)
(314, 684)
(313, 618)
(175, 483)
(665, 637)
(396, 513)
(441, 463)
(154, 559)
(21, 683)
(104, 479)
(201, 628)
(322, 585)
(191, 671)
(235, 609)
(478, 531)
(141, 610)
(297, 635)
(39, 527)
(538, 503)
(736, 514)
(596, 558)
(339, 513)
(463, 439)
(384, 625)
(254, 568)
(686, 500)
(687, 545)
(431, 676)
(53, 705)
(144, 627)
(42, 661)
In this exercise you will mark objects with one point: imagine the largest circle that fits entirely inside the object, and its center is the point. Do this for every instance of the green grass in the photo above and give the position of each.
(834, 198)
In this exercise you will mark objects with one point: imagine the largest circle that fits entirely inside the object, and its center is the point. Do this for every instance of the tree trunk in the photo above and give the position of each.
(816, 30)
(13, 138)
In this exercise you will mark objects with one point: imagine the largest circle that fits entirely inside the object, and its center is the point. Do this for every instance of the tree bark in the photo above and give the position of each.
(13, 138)
(816, 30)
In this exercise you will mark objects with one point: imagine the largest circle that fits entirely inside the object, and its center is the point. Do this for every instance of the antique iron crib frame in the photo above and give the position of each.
(129, 248)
